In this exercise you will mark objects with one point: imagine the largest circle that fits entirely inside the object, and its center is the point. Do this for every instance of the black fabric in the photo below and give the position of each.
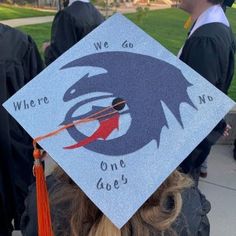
(69, 26)
(19, 63)
(209, 51)
(192, 220)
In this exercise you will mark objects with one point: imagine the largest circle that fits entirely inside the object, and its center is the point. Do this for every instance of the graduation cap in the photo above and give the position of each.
(118, 112)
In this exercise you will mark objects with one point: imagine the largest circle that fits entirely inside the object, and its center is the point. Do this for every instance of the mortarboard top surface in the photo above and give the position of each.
(119, 160)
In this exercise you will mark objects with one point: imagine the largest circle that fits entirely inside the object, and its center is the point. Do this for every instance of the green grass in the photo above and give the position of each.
(11, 12)
(166, 26)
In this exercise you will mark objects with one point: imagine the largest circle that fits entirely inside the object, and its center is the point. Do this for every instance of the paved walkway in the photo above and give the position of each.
(27, 21)
(220, 188)
(45, 19)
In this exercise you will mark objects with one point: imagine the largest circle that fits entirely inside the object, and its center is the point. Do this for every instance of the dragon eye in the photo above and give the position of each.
(119, 106)
(72, 91)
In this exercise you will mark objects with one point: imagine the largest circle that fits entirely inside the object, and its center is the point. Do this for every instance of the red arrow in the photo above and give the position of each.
(104, 130)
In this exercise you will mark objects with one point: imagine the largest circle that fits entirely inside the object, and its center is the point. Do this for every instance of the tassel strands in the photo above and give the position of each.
(188, 23)
(43, 209)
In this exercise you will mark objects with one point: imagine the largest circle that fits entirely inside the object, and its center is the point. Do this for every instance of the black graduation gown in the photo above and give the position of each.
(19, 63)
(210, 51)
(69, 26)
(192, 219)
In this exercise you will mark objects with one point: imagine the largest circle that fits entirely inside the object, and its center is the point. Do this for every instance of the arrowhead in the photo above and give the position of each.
(105, 129)
(108, 125)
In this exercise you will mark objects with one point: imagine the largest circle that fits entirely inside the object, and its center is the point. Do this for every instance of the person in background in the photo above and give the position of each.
(19, 63)
(209, 50)
(175, 208)
(70, 25)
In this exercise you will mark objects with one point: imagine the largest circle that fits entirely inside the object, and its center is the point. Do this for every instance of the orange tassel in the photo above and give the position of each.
(43, 209)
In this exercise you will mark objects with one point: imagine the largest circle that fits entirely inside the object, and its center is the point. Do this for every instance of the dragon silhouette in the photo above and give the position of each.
(140, 80)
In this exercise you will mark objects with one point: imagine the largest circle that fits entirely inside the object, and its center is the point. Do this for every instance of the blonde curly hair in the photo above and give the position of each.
(81, 217)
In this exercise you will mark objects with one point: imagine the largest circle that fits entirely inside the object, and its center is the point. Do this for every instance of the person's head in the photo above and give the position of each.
(191, 6)
(81, 217)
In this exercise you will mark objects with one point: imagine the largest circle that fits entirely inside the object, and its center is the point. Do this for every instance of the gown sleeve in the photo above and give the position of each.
(29, 225)
(63, 36)
(20, 62)
(203, 55)
(20, 141)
